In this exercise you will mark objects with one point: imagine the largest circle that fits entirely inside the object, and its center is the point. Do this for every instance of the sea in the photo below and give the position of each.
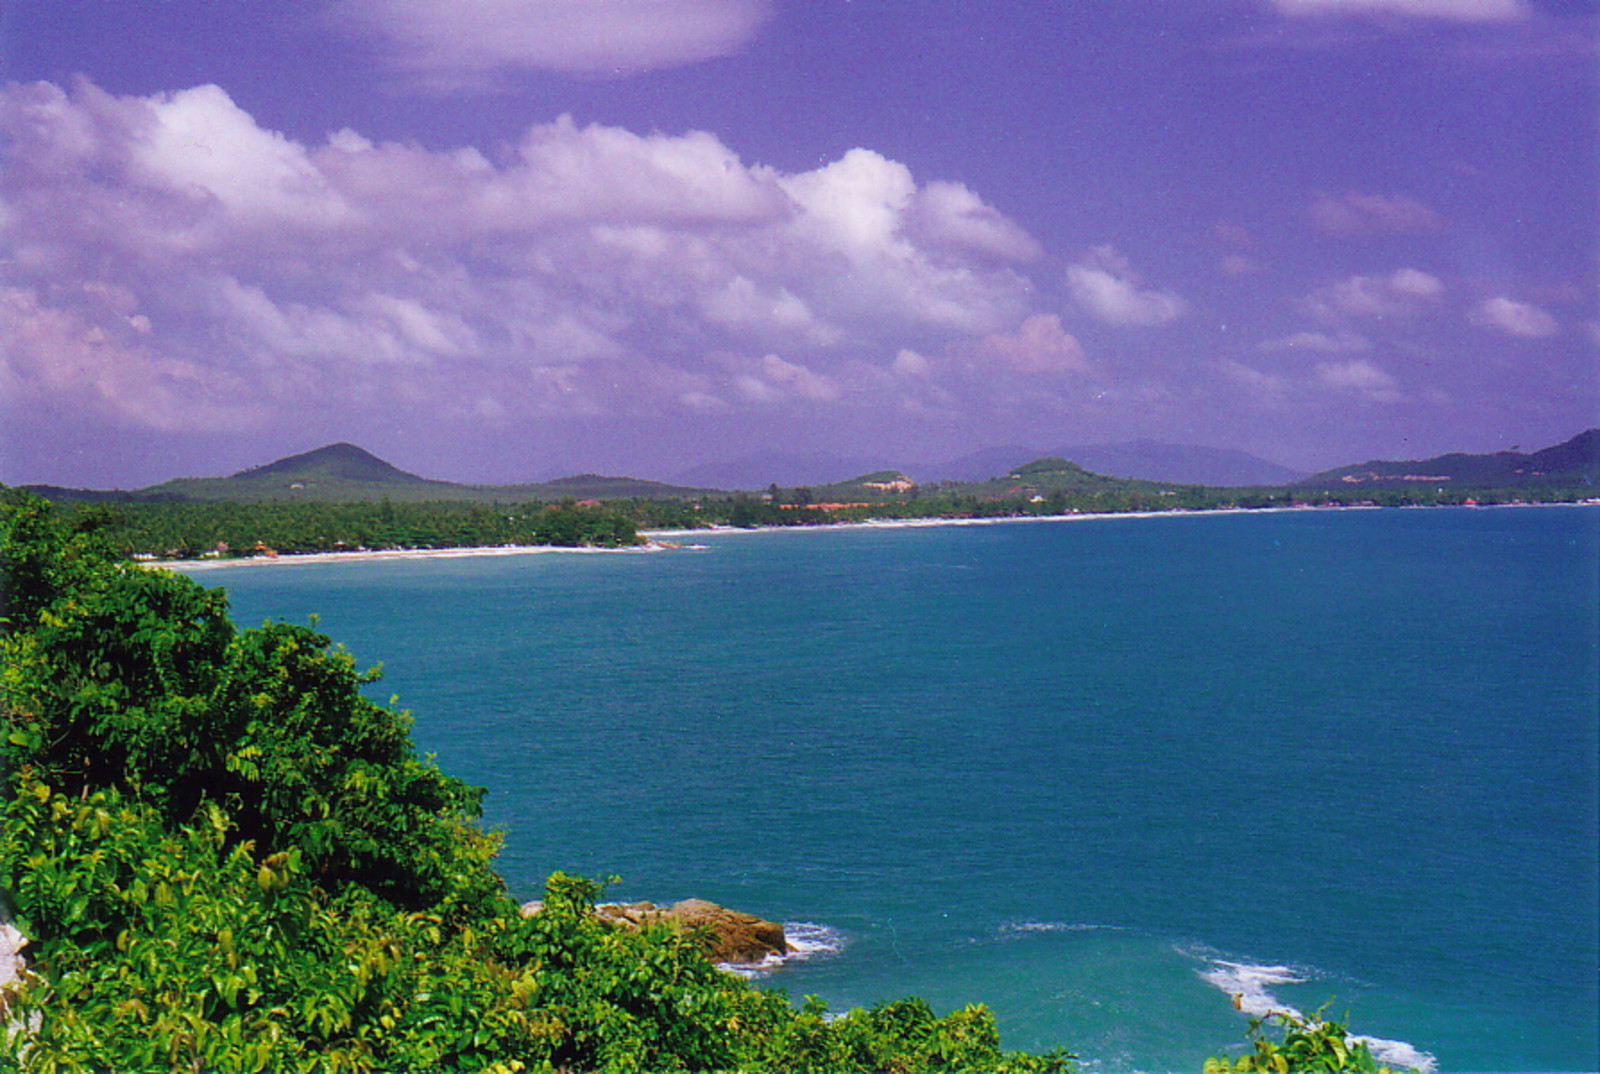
(1124, 780)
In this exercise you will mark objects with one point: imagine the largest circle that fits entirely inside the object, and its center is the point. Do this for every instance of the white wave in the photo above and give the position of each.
(807, 940)
(1251, 984)
(1052, 926)
(1399, 1053)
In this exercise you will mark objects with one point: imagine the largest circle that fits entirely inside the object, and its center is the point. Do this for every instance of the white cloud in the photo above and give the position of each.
(1356, 213)
(1318, 342)
(908, 363)
(1105, 287)
(1040, 346)
(1451, 10)
(1516, 318)
(201, 145)
(948, 215)
(1401, 293)
(452, 45)
(742, 303)
(58, 353)
(1360, 376)
(588, 268)
(774, 379)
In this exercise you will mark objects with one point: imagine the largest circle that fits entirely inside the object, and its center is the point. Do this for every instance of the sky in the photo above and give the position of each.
(507, 240)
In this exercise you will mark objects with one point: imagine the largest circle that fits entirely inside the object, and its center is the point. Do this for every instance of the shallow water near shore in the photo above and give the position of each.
(1098, 775)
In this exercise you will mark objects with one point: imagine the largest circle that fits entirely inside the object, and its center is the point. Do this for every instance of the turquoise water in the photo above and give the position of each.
(1097, 774)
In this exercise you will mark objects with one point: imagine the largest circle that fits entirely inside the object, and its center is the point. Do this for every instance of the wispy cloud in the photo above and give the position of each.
(451, 45)
(1516, 318)
(1357, 213)
(1360, 376)
(1450, 10)
(1105, 286)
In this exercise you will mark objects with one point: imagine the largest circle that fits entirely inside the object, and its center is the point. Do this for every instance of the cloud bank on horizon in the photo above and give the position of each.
(190, 286)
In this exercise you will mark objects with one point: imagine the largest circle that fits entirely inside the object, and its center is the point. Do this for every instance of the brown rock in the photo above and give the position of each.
(731, 936)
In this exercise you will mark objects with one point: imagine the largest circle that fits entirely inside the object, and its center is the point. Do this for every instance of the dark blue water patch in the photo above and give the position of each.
(1362, 743)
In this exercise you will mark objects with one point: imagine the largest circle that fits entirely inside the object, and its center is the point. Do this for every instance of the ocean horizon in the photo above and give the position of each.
(1107, 778)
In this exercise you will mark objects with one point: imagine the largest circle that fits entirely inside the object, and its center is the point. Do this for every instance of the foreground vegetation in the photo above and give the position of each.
(227, 858)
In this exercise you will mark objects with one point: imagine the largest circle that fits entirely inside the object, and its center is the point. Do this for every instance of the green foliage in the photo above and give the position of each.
(136, 679)
(189, 530)
(226, 858)
(1308, 1044)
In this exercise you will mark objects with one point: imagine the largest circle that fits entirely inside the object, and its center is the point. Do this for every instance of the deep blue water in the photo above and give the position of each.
(1096, 774)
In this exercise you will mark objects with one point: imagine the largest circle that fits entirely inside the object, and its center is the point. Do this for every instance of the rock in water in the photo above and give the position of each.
(732, 936)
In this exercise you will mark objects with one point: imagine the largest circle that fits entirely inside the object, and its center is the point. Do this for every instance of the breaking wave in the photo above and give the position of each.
(1250, 985)
(807, 940)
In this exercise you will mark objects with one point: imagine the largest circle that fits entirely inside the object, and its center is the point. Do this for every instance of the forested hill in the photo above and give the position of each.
(1573, 463)
(336, 462)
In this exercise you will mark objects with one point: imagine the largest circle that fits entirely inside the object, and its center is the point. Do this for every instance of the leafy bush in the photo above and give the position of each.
(1309, 1044)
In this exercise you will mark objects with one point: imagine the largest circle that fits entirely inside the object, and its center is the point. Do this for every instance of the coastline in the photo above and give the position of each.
(665, 540)
(375, 555)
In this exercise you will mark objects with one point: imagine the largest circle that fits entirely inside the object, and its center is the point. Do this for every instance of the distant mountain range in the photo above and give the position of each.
(1183, 464)
(345, 472)
(763, 468)
(1574, 462)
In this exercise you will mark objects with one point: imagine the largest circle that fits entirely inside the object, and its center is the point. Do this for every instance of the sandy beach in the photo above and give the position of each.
(377, 555)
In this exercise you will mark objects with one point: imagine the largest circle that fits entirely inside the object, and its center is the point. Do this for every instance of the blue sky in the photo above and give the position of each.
(495, 240)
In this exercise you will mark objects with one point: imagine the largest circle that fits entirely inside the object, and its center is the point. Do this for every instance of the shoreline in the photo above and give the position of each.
(666, 540)
(381, 554)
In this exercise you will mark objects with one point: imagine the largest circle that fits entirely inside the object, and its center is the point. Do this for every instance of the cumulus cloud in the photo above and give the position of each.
(1449, 10)
(63, 350)
(773, 379)
(1516, 318)
(578, 269)
(450, 45)
(1355, 213)
(1105, 286)
(1402, 293)
(948, 215)
(1040, 346)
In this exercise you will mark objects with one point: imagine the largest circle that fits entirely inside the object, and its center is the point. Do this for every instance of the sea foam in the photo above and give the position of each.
(1250, 986)
(807, 940)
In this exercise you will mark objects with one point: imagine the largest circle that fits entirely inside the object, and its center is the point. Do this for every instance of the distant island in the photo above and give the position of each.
(343, 498)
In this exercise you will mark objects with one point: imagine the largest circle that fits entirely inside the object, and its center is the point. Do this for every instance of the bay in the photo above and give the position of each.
(1098, 774)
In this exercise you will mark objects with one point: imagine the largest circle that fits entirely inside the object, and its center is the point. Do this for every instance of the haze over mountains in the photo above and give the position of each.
(346, 472)
(1139, 460)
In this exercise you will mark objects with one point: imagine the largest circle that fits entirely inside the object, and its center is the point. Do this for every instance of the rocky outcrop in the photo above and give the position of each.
(731, 936)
